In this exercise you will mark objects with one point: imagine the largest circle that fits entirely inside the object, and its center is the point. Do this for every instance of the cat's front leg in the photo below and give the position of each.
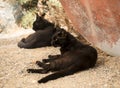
(40, 64)
(51, 58)
(43, 65)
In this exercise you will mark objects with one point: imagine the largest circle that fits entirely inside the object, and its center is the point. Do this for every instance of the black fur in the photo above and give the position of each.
(74, 57)
(42, 36)
(40, 23)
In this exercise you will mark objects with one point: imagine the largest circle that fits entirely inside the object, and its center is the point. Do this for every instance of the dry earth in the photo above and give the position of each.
(14, 62)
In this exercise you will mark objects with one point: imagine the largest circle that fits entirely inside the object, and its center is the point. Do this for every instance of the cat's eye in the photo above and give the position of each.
(56, 39)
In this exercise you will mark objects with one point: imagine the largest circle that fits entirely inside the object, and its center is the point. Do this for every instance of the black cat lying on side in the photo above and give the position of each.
(42, 36)
(74, 57)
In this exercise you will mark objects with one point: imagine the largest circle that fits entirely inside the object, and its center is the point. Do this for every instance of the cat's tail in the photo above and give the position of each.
(69, 71)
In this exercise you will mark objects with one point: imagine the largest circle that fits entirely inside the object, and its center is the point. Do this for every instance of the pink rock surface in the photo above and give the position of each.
(98, 21)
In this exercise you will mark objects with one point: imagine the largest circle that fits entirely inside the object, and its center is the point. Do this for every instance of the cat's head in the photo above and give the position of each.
(40, 23)
(60, 38)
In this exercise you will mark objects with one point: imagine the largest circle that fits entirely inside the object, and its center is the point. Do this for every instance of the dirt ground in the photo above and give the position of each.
(14, 62)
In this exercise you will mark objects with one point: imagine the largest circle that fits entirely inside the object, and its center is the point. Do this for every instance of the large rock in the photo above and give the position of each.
(10, 13)
(98, 21)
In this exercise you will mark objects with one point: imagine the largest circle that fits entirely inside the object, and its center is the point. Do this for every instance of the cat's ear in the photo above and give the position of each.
(37, 16)
(43, 15)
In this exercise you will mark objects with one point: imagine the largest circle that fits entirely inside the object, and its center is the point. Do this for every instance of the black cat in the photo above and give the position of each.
(74, 57)
(42, 36)
(41, 23)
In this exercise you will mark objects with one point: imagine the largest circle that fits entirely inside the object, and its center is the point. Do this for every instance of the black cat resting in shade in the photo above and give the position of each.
(75, 57)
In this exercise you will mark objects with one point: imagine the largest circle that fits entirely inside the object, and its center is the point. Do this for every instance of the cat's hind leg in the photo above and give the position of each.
(40, 64)
(43, 65)
(45, 68)
(42, 71)
(68, 71)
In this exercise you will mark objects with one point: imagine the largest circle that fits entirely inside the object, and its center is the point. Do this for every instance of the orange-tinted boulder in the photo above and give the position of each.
(98, 21)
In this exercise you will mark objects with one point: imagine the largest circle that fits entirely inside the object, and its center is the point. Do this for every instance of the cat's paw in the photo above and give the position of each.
(30, 70)
(39, 63)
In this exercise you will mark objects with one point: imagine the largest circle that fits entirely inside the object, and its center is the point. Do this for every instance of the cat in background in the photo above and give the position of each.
(42, 36)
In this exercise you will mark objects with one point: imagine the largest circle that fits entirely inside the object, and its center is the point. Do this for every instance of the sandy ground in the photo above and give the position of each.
(14, 62)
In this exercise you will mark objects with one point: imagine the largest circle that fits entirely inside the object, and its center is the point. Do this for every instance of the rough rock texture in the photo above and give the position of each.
(98, 21)
(14, 62)
(10, 13)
